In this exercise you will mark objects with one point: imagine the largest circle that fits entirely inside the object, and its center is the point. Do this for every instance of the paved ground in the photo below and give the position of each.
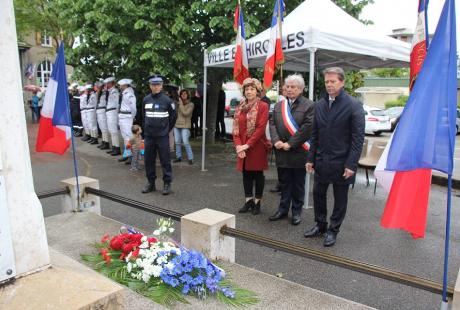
(220, 188)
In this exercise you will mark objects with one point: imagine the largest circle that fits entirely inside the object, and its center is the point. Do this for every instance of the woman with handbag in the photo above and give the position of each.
(251, 143)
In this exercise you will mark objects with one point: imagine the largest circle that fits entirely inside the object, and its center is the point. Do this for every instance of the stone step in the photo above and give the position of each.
(72, 234)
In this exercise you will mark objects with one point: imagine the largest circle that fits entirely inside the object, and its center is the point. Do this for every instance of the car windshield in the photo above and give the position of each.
(395, 111)
(378, 112)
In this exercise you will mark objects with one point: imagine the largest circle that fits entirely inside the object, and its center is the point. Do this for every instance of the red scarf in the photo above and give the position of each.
(251, 116)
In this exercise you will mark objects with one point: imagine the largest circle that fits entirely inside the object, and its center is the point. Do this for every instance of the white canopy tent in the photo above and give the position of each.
(328, 34)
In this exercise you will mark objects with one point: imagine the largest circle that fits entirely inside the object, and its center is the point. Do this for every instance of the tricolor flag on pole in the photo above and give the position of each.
(54, 132)
(275, 56)
(240, 67)
(425, 136)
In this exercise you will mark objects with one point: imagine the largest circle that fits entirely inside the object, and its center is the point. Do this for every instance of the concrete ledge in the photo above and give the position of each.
(72, 233)
(67, 284)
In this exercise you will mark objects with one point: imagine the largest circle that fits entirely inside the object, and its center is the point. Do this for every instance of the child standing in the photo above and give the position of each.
(135, 143)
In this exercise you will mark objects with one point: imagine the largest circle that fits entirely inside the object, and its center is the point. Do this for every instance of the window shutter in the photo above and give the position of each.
(38, 38)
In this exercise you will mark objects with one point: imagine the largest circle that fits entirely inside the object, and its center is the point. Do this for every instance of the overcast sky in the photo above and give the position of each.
(391, 14)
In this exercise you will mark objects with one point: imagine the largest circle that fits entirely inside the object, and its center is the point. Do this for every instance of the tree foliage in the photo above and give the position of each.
(390, 72)
(40, 15)
(134, 38)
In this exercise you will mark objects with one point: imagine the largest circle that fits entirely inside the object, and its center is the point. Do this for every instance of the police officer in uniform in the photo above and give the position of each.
(91, 116)
(84, 97)
(100, 114)
(159, 118)
(111, 112)
(127, 111)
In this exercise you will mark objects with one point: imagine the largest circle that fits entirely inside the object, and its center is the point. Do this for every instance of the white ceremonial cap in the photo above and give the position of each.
(109, 79)
(125, 82)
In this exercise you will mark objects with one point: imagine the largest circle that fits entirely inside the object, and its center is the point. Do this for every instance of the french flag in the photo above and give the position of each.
(241, 67)
(275, 56)
(425, 136)
(419, 43)
(54, 132)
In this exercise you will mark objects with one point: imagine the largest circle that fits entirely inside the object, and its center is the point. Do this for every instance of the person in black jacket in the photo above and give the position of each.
(336, 144)
(159, 118)
(290, 149)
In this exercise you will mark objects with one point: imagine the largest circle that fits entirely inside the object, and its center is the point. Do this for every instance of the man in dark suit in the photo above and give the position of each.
(336, 144)
(288, 139)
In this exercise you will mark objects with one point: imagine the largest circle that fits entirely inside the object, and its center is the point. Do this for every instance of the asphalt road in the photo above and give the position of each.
(361, 237)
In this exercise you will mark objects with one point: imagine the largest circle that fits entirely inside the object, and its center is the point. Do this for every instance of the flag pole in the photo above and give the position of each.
(427, 35)
(446, 244)
(75, 167)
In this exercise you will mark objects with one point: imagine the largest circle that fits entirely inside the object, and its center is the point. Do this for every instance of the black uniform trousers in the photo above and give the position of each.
(292, 189)
(152, 146)
(320, 205)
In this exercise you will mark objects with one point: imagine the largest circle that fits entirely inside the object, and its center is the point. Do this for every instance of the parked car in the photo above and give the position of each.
(232, 98)
(377, 120)
(394, 114)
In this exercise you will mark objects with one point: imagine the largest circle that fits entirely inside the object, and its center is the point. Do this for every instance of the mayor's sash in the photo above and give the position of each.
(290, 123)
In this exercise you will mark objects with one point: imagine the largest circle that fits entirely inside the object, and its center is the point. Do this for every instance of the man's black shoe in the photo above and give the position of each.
(296, 219)
(276, 189)
(123, 159)
(116, 151)
(128, 162)
(177, 160)
(95, 141)
(111, 151)
(149, 187)
(330, 239)
(316, 231)
(85, 137)
(166, 189)
(105, 146)
(277, 216)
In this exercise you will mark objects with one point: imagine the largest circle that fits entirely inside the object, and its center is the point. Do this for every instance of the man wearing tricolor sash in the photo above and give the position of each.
(335, 147)
(290, 128)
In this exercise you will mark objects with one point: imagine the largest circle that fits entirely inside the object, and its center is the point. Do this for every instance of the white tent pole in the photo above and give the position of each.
(310, 96)
(203, 127)
(311, 82)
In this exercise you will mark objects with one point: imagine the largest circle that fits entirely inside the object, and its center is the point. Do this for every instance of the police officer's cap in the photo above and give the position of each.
(88, 86)
(81, 88)
(74, 85)
(156, 79)
(125, 82)
(109, 79)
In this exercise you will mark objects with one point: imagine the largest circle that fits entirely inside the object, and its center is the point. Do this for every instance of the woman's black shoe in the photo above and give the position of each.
(256, 209)
(249, 205)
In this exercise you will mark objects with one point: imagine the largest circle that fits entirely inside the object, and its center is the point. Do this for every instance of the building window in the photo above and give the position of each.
(44, 73)
(46, 40)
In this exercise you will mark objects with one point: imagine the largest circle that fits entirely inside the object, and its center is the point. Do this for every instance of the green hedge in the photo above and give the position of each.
(400, 102)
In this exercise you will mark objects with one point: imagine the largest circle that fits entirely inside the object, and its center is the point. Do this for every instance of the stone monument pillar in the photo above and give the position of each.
(23, 226)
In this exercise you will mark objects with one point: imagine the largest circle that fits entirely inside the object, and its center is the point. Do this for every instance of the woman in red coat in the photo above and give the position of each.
(252, 146)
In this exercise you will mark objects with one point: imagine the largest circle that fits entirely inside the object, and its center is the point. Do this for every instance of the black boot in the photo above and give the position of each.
(111, 150)
(86, 137)
(90, 140)
(167, 189)
(105, 145)
(249, 205)
(256, 209)
(149, 187)
(116, 151)
(95, 141)
(177, 160)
